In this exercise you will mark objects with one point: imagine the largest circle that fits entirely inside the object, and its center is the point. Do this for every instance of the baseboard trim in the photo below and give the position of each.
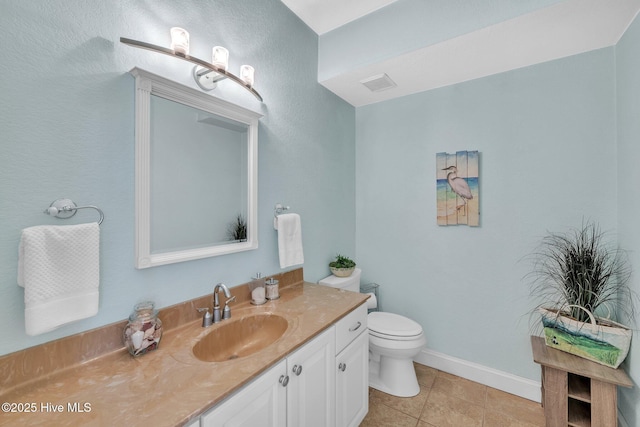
(493, 378)
(500, 380)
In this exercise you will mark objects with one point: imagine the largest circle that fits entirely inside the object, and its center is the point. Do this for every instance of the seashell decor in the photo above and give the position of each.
(144, 330)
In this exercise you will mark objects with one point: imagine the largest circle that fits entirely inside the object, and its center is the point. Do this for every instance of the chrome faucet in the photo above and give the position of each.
(216, 302)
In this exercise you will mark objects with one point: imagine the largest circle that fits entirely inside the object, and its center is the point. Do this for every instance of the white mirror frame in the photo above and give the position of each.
(148, 84)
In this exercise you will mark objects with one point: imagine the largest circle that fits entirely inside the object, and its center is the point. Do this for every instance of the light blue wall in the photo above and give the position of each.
(546, 134)
(67, 120)
(546, 137)
(628, 111)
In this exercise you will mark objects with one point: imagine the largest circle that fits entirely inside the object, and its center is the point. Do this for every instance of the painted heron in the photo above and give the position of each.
(459, 186)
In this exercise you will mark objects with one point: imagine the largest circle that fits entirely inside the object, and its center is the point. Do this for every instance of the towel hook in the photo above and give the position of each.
(66, 208)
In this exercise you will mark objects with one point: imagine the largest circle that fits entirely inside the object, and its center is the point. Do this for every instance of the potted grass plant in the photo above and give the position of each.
(237, 230)
(342, 266)
(580, 280)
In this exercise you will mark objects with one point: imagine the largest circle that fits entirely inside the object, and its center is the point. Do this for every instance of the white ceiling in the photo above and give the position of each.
(566, 28)
(326, 15)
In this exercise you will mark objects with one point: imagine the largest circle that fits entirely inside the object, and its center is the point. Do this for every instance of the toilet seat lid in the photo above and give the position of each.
(393, 324)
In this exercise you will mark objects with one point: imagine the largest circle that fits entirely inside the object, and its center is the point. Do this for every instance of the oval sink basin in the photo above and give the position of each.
(240, 338)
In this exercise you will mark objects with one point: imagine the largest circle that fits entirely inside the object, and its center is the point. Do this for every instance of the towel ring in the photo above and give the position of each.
(66, 208)
(278, 209)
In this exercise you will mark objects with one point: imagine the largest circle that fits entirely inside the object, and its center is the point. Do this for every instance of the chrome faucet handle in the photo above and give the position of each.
(226, 313)
(206, 318)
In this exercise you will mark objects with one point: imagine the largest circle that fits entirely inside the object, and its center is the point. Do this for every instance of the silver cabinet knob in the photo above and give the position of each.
(284, 380)
(342, 367)
(297, 369)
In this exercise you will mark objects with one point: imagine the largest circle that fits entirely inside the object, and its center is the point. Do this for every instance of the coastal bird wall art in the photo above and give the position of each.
(457, 188)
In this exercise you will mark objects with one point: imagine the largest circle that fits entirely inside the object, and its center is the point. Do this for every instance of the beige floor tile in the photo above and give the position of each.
(375, 397)
(514, 407)
(445, 410)
(461, 388)
(381, 415)
(409, 405)
(425, 374)
(497, 419)
(450, 401)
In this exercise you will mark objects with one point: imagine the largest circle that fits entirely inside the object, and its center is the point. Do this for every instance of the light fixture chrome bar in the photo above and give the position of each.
(207, 79)
(203, 71)
(193, 60)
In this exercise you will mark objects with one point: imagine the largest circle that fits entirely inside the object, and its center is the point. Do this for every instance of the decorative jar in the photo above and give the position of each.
(272, 289)
(144, 330)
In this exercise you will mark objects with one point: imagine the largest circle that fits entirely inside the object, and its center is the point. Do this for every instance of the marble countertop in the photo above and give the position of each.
(170, 386)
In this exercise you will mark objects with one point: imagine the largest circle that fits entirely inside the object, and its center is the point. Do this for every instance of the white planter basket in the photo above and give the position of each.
(603, 341)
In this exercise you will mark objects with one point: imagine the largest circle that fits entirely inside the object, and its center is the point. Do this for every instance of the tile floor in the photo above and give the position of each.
(449, 401)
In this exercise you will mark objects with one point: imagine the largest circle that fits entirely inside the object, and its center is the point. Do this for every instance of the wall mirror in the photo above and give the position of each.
(196, 174)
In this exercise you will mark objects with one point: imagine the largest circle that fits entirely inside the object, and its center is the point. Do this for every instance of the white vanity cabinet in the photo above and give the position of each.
(324, 383)
(352, 368)
(262, 402)
(298, 391)
(311, 389)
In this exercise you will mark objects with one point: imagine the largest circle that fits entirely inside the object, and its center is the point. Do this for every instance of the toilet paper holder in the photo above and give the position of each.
(372, 288)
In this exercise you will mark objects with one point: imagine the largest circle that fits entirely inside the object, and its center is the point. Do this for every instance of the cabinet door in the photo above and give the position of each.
(193, 423)
(262, 403)
(311, 389)
(352, 382)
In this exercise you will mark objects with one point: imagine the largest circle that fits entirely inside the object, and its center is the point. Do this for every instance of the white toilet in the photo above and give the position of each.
(394, 341)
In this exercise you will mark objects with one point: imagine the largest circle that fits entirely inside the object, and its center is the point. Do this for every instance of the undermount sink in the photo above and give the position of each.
(239, 338)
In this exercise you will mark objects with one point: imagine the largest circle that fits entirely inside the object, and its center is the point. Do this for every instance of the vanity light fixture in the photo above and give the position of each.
(180, 40)
(207, 75)
(220, 57)
(246, 74)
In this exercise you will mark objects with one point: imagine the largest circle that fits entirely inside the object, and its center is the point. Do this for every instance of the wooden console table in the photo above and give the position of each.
(575, 391)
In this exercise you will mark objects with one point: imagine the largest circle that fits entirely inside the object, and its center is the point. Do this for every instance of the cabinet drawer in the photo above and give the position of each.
(350, 326)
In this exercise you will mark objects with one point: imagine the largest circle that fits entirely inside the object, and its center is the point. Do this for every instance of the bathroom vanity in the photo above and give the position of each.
(317, 370)
(323, 383)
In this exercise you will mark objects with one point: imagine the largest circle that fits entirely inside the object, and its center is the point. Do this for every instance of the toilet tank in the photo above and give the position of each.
(351, 283)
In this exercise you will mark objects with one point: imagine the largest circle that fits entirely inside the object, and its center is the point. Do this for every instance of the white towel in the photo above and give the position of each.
(289, 240)
(59, 268)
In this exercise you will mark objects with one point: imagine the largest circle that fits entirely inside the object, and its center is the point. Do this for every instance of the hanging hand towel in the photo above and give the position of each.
(290, 240)
(59, 269)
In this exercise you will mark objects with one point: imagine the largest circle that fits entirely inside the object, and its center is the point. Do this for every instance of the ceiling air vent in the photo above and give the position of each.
(378, 83)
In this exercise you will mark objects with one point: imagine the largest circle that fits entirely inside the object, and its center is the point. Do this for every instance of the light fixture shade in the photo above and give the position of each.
(247, 75)
(220, 57)
(180, 40)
